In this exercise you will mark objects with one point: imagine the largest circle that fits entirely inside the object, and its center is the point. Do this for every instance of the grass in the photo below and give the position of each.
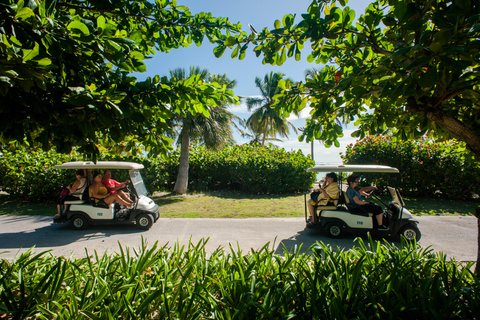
(230, 205)
(238, 205)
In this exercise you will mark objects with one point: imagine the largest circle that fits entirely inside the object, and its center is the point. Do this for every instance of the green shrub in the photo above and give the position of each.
(252, 169)
(29, 175)
(372, 281)
(246, 168)
(427, 169)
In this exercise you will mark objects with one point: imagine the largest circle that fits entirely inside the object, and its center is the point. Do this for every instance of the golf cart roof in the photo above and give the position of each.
(99, 165)
(353, 168)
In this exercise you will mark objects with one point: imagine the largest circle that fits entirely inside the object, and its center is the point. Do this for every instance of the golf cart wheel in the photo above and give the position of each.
(79, 222)
(410, 233)
(334, 230)
(144, 221)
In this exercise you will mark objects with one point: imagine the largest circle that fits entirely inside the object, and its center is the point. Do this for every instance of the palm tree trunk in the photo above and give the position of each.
(182, 177)
(477, 265)
(264, 134)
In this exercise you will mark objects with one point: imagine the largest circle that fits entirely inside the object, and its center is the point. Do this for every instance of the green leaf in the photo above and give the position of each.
(288, 20)
(337, 14)
(43, 62)
(218, 51)
(77, 25)
(101, 22)
(235, 52)
(297, 55)
(348, 16)
(282, 57)
(400, 9)
(230, 41)
(24, 13)
(359, 91)
(277, 24)
(30, 54)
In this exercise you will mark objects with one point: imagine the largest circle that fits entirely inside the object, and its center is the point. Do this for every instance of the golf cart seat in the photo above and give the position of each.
(331, 205)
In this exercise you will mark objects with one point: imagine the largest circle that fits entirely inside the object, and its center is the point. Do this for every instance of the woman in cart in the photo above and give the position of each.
(358, 205)
(328, 191)
(72, 192)
(100, 194)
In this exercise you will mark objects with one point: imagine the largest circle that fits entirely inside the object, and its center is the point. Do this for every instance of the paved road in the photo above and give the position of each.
(453, 235)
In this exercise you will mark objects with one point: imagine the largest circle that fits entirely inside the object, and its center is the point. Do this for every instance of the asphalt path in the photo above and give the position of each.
(455, 236)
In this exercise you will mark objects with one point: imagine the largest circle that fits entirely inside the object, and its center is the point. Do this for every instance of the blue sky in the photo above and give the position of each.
(260, 14)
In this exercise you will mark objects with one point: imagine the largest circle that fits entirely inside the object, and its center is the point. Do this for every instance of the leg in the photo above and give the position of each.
(58, 211)
(124, 196)
(312, 211)
(115, 197)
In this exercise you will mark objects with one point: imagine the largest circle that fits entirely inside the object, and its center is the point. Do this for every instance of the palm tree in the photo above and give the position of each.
(214, 131)
(255, 137)
(264, 118)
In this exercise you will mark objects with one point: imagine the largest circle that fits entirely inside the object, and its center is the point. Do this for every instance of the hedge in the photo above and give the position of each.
(244, 168)
(427, 169)
(28, 175)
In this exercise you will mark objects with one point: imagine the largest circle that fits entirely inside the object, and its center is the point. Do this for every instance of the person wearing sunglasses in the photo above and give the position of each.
(360, 206)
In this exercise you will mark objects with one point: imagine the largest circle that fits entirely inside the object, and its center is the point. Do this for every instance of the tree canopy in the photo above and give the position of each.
(408, 66)
(64, 71)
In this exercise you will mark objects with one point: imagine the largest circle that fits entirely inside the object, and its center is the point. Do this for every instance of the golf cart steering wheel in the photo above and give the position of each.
(132, 194)
(371, 193)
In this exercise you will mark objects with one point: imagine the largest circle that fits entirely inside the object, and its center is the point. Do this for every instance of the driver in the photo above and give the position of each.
(358, 205)
(114, 186)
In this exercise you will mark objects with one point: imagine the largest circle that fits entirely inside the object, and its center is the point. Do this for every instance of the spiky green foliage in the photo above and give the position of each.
(371, 281)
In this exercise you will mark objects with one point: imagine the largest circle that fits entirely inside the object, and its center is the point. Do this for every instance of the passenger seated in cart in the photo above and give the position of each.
(100, 193)
(328, 191)
(72, 192)
(113, 186)
(358, 205)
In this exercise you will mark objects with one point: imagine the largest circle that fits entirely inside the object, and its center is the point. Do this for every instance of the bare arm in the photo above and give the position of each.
(363, 191)
(73, 187)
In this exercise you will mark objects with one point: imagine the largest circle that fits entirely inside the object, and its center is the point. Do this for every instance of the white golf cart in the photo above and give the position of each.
(335, 218)
(80, 213)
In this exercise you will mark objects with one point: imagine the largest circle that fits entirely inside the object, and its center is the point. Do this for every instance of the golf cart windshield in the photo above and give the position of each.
(138, 184)
(395, 196)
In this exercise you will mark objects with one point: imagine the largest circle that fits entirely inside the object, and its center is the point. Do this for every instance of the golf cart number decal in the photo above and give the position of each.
(99, 214)
(360, 222)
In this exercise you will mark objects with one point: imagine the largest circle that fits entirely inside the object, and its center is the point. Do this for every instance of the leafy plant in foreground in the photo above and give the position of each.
(373, 280)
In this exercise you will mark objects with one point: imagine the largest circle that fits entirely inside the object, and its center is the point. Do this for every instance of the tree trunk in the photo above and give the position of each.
(477, 266)
(182, 177)
(264, 135)
(463, 133)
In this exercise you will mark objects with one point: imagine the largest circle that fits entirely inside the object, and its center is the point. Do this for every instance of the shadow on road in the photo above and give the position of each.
(304, 239)
(48, 234)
